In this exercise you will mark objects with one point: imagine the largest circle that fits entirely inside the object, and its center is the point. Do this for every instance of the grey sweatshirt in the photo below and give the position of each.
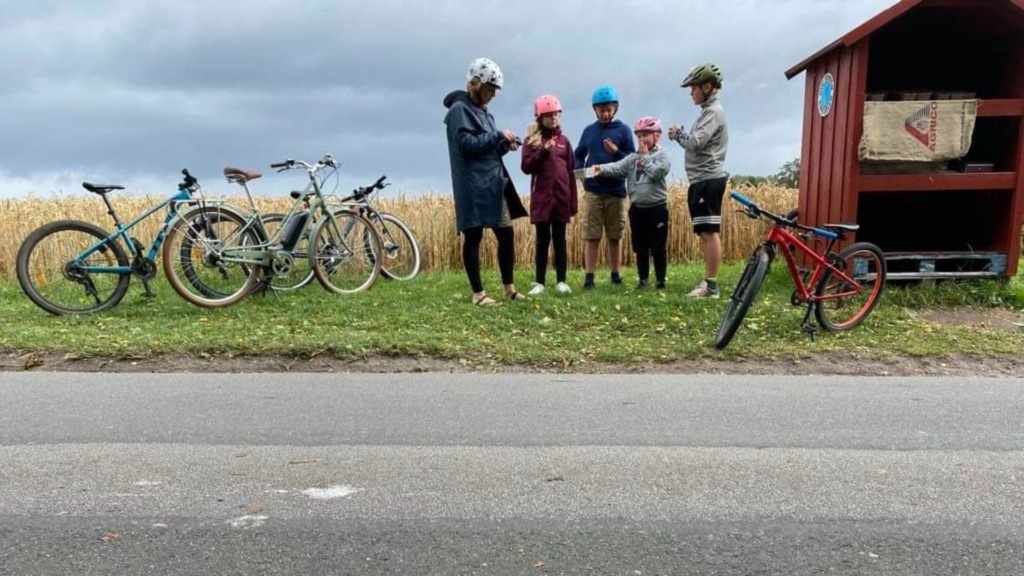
(645, 175)
(706, 143)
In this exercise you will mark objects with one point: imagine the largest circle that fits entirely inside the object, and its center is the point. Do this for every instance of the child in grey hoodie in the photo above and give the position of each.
(646, 171)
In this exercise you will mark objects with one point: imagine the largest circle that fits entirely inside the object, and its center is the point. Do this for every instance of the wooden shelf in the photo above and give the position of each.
(940, 181)
(1003, 107)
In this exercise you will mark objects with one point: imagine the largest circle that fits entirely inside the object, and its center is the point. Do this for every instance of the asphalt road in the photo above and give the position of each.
(509, 474)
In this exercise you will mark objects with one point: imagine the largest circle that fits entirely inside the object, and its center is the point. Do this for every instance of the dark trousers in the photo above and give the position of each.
(471, 254)
(648, 229)
(548, 232)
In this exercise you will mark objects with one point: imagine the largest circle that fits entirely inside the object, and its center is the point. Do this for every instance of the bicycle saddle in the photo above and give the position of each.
(237, 174)
(101, 188)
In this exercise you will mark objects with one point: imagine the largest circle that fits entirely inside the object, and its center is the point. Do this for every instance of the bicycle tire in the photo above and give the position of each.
(210, 294)
(743, 296)
(393, 233)
(297, 278)
(863, 259)
(338, 253)
(27, 276)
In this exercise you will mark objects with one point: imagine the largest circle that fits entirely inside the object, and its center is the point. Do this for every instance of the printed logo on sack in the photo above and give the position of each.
(923, 125)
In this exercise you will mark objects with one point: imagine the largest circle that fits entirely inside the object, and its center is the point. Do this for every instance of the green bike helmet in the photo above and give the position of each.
(704, 73)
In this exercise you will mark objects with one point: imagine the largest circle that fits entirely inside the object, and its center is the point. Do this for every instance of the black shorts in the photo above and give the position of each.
(705, 201)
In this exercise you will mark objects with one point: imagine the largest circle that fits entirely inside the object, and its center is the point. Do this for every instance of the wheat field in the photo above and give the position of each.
(430, 216)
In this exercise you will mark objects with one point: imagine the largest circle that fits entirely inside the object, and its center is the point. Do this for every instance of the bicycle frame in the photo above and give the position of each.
(781, 238)
(262, 254)
(184, 195)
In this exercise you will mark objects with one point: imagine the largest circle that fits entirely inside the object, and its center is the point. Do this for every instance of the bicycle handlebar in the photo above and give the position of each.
(326, 161)
(363, 192)
(755, 211)
(189, 181)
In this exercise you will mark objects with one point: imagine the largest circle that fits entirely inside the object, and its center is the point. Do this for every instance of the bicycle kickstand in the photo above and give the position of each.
(263, 286)
(149, 291)
(810, 327)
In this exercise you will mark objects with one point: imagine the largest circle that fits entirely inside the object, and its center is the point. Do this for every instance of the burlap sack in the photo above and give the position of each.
(917, 131)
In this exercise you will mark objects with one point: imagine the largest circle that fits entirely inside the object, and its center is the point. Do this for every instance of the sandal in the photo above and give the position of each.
(484, 300)
(516, 296)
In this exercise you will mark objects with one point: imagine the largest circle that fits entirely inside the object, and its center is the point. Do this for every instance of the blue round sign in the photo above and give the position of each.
(826, 94)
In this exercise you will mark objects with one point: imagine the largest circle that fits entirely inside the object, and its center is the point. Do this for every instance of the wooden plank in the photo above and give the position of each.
(840, 164)
(1016, 208)
(814, 166)
(805, 146)
(1001, 107)
(829, 65)
(944, 181)
(855, 127)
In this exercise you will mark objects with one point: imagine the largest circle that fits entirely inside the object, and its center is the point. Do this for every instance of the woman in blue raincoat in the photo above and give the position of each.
(485, 196)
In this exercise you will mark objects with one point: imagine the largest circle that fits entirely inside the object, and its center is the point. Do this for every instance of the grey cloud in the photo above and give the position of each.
(142, 88)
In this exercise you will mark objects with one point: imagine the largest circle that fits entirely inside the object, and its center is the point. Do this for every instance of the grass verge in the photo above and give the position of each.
(432, 316)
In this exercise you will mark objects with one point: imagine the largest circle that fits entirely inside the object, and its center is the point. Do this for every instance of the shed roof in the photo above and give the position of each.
(878, 22)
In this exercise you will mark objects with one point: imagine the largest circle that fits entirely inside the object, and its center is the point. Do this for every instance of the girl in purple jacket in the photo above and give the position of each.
(548, 159)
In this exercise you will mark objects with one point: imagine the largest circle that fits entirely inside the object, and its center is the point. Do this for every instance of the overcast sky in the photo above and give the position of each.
(130, 91)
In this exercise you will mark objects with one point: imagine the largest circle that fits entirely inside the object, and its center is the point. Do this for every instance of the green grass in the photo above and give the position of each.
(432, 316)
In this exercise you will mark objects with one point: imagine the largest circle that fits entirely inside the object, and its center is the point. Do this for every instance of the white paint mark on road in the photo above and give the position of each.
(331, 493)
(248, 521)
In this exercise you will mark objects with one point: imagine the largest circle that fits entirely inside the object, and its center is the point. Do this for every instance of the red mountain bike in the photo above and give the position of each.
(847, 284)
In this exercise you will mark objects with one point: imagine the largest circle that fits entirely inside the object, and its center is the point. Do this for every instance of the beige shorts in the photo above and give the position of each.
(603, 214)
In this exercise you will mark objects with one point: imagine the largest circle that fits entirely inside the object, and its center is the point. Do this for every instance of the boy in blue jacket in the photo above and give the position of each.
(606, 140)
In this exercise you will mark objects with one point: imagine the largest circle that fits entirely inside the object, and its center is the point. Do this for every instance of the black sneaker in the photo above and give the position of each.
(588, 285)
(660, 285)
(641, 285)
(616, 280)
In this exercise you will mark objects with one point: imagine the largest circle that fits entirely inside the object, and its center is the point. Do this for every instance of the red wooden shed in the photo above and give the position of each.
(956, 219)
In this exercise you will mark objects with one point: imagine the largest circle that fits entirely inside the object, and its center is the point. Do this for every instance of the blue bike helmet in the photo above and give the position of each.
(604, 95)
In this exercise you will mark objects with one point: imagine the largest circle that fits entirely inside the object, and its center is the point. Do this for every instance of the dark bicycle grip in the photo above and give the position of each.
(284, 164)
(742, 199)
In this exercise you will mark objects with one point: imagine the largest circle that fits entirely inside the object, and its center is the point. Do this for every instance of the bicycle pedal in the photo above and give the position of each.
(811, 329)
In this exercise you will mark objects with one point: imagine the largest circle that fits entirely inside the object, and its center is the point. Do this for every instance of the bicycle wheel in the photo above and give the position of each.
(193, 261)
(301, 274)
(400, 256)
(841, 307)
(54, 277)
(743, 296)
(345, 253)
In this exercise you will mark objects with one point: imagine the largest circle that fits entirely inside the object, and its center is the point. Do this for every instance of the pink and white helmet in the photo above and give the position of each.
(487, 71)
(647, 124)
(546, 104)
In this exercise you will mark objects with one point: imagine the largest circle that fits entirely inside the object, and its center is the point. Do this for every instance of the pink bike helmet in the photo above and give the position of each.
(546, 104)
(647, 124)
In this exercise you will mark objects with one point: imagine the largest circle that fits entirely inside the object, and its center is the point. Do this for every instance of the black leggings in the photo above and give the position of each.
(546, 232)
(471, 254)
(648, 228)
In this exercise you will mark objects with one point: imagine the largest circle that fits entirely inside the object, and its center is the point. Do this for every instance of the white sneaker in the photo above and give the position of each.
(537, 290)
(703, 291)
(563, 288)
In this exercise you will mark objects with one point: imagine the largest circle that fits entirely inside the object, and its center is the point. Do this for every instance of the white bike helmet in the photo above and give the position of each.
(487, 71)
